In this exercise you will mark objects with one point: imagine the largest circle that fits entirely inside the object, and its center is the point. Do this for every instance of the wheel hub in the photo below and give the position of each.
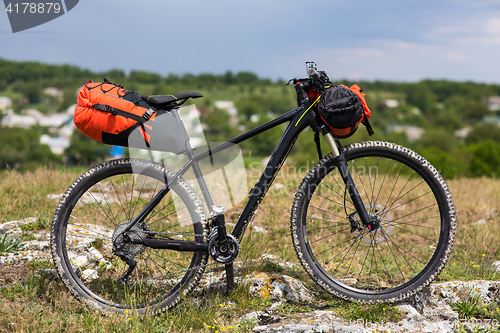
(380, 226)
(121, 243)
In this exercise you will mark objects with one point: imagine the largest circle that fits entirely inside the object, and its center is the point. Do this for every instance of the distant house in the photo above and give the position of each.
(491, 120)
(12, 119)
(391, 103)
(34, 117)
(53, 92)
(5, 102)
(462, 133)
(494, 103)
(61, 125)
(412, 132)
(229, 107)
(57, 144)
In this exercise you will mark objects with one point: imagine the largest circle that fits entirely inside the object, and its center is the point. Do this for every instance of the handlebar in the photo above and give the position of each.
(313, 74)
(318, 81)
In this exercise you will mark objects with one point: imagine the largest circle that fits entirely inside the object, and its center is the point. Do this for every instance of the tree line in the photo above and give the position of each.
(440, 108)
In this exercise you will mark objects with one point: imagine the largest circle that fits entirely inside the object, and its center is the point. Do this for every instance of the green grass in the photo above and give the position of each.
(473, 307)
(378, 313)
(41, 223)
(33, 302)
(10, 243)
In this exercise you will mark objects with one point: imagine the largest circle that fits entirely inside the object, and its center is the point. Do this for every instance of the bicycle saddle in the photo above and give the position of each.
(159, 100)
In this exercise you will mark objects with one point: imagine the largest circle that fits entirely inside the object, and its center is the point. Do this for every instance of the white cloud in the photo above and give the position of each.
(462, 45)
(403, 61)
(413, 40)
(493, 26)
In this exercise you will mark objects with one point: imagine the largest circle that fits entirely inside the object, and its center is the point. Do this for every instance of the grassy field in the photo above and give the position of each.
(31, 302)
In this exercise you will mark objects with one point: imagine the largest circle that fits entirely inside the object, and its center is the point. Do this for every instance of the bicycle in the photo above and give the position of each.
(370, 222)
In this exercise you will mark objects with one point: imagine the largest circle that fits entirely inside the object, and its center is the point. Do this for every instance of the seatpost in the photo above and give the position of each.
(185, 138)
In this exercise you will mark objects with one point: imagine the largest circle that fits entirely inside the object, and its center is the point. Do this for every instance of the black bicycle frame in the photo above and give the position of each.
(299, 118)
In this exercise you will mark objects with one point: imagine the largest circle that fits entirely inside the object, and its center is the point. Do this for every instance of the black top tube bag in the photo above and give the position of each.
(343, 109)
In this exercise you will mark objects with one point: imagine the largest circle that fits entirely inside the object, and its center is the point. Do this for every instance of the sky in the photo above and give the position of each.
(370, 40)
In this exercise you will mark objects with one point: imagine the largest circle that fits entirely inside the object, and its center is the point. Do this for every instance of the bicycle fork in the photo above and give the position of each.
(340, 162)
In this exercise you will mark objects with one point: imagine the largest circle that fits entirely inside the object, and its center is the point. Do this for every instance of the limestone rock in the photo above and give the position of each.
(496, 266)
(278, 287)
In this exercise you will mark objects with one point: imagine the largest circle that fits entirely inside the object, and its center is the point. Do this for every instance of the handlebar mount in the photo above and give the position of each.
(317, 81)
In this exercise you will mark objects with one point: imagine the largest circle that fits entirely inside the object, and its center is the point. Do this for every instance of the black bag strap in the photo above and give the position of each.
(118, 112)
(368, 126)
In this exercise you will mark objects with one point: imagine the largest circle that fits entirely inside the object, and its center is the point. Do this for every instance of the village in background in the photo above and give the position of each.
(453, 124)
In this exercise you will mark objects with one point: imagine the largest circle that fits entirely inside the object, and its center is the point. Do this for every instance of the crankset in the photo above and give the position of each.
(224, 251)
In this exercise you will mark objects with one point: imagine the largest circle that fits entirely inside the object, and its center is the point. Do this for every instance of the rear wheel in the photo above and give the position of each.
(406, 246)
(87, 230)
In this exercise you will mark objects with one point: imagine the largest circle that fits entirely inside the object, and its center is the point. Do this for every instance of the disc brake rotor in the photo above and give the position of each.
(384, 218)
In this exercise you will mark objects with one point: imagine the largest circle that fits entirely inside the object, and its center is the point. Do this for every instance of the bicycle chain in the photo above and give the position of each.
(209, 236)
(174, 233)
(213, 233)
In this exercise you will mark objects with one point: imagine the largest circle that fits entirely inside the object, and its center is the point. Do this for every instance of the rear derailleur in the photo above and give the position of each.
(125, 249)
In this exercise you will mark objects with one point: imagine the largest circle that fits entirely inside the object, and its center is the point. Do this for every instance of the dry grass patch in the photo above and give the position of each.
(31, 302)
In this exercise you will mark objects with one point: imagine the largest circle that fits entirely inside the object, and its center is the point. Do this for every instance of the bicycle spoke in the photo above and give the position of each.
(328, 199)
(410, 244)
(113, 217)
(406, 217)
(418, 225)
(103, 210)
(346, 197)
(394, 186)
(352, 258)
(119, 200)
(94, 238)
(417, 211)
(328, 227)
(329, 213)
(331, 235)
(410, 201)
(360, 179)
(414, 233)
(401, 249)
(138, 197)
(399, 196)
(364, 261)
(372, 186)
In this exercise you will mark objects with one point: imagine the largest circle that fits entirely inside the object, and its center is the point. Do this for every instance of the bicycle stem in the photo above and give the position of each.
(343, 168)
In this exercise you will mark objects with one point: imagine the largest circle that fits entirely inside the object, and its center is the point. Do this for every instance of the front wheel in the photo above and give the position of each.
(406, 246)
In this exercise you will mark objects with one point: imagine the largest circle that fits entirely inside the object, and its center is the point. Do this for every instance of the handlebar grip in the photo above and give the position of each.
(302, 94)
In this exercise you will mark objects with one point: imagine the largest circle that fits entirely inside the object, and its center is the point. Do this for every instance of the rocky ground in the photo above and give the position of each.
(428, 311)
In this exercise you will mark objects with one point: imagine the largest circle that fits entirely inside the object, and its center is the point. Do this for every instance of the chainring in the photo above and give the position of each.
(226, 251)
